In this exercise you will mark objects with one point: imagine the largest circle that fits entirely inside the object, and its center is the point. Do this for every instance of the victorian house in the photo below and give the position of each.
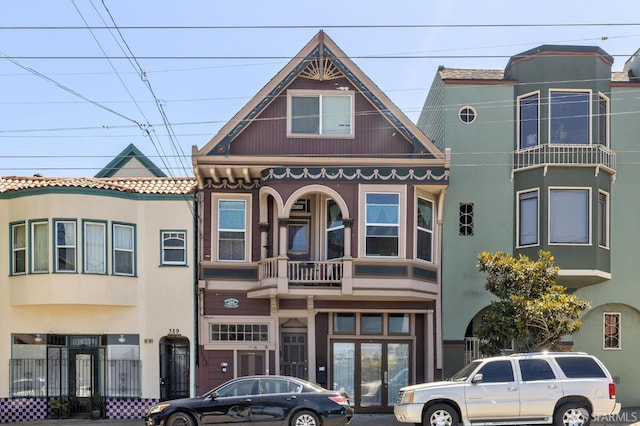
(320, 207)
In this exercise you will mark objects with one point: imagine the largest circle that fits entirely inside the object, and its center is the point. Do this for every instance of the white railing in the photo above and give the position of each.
(320, 273)
(567, 154)
(471, 349)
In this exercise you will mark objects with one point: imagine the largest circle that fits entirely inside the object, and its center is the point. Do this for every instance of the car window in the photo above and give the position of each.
(239, 388)
(496, 372)
(535, 369)
(576, 367)
(463, 374)
(272, 385)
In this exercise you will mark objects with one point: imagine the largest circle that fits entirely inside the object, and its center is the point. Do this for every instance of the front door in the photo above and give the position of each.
(371, 372)
(294, 355)
(174, 367)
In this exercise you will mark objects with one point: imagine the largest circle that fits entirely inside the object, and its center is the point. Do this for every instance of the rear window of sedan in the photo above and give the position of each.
(580, 367)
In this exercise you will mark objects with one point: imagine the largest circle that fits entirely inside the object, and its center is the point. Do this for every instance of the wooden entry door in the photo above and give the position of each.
(294, 355)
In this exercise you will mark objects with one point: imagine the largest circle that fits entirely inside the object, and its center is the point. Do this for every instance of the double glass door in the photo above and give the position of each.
(371, 372)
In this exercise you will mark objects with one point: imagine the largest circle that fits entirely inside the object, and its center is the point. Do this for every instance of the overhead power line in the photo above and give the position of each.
(287, 27)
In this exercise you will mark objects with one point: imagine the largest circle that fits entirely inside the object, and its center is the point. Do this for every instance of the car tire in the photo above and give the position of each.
(305, 418)
(180, 419)
(440, 415)
(572, 414)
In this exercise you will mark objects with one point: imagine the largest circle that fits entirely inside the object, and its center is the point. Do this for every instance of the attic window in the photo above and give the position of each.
(325, 113)
(321, 69)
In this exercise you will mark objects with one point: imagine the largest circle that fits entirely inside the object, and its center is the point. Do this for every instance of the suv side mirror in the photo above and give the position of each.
(477, 378)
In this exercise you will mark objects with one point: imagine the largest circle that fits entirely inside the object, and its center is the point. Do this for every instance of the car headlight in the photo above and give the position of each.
(407, 397)
(158, 408)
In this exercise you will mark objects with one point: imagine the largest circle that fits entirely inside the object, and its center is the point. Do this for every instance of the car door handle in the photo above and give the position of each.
(292, 397)
(247, 400)
(512, 389)
(552, 387)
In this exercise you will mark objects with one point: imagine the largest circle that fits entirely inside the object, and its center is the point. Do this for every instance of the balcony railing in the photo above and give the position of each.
(317, 273)
(567, 154)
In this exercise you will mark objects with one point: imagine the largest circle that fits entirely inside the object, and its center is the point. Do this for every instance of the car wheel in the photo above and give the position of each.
(440, 415)
(305, 418)
(572, 414)
(180, 419)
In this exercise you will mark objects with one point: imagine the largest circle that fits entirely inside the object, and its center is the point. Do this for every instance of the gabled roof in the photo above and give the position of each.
(131, 163)
(322, 51)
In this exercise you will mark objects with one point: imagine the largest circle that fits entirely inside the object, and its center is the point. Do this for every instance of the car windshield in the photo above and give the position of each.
(463, 374)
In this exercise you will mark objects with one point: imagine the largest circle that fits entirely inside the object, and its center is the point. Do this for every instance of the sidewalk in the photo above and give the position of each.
(627, 416)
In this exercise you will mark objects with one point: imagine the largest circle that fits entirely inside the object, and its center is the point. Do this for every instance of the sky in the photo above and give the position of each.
(80, 80)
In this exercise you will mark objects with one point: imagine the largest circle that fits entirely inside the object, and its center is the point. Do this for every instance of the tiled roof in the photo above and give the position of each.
(183, 185)
(470, 74)
(620, 76)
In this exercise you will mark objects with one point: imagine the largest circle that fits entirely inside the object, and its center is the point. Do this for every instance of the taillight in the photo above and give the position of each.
(612, 391)
(343, 400)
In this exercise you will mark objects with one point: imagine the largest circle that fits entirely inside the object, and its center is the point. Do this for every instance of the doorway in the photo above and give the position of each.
(251, 363)
(174, 367)
(84, 379)
(294, 355)
(371, 372)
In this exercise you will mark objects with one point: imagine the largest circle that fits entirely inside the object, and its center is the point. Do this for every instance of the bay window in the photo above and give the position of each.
(528, 218)
(529, 111)
(424, 237)
(123, 249)
(65, 242)
(18, 248)
(40, 246)
(95, 247)
(569, 114)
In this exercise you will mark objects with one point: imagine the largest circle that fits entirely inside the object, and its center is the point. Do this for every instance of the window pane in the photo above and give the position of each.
(94, 248)
(298, 238)
(425, 227)
(383, 208)
(569, 118)
(41, 247)
(371, 323)
(231, 229)
(232, 214)
(529, 121)
(65, 246)
(344, 323)
(603, 215)
(336, 115)
(528, 218)
(174, 248)
(399, 323)
(305, 115)
(123, 257)
(603, 128)
(570, 216)
(19, 245)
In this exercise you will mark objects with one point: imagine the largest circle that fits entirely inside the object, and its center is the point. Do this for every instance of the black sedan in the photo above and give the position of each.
(264, 400)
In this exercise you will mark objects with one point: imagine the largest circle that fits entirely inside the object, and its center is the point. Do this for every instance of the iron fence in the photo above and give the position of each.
(79, 378)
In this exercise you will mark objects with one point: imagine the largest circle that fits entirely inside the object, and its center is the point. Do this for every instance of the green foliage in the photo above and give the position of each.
(532, 311)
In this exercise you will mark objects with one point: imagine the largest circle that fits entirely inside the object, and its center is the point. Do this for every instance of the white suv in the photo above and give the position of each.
(563, 388)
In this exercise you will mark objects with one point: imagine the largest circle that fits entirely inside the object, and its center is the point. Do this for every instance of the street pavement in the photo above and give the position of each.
(628, 416)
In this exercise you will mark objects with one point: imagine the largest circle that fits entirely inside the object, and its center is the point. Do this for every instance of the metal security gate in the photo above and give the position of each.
(174, 367)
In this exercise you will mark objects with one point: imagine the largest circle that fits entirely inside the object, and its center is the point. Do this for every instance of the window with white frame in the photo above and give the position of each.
(124, 249)
(569, 113)
(65, 245)
(40, 246)
(95, 247)
(239, 332)
(174, 248)
(569, 216)
(603, 219)
(529, 123)
(382, 224)
(232, 230)
(611, 330)
(528, 218)
(603, 120)
(18, 248)
(424, 239)
(320, 113)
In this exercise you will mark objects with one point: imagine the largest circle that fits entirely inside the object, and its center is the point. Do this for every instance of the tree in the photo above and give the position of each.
(532, 312)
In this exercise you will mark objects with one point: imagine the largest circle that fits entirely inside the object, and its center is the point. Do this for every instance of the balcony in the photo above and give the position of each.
(305, 274)
(565, 155)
